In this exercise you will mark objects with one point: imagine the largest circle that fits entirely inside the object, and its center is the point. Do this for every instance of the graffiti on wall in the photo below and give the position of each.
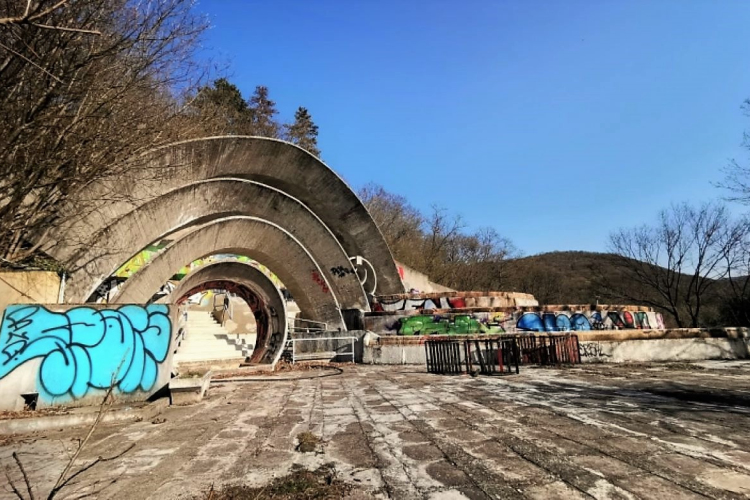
(320, 281)
(86, 348)
(444, 325)
(593, 350)
(561, 321)
(515, 322)
(414, 304)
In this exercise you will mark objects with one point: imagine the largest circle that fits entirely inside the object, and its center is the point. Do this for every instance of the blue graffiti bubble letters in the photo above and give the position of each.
(85, 348)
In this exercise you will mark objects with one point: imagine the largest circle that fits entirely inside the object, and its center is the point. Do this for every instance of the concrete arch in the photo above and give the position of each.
(270, 340)
(257, 239)
(272, 162)
(210, 200)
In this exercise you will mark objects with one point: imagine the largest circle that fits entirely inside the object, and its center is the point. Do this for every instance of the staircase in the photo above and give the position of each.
(208, 343)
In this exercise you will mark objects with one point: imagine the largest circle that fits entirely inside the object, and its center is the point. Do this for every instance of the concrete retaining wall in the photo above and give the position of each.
(600, 347)
(71, 354)
(333, 343)
(28, 286)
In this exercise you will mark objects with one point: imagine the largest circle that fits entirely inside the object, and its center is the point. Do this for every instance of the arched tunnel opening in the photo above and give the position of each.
(251, 325)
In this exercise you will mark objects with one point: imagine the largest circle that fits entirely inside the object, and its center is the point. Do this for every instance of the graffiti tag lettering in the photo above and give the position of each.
(85, 348)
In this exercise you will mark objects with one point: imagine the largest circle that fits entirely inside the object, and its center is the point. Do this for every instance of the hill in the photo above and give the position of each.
(566, 277)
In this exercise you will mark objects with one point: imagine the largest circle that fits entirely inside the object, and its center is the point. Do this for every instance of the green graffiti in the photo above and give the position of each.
(461, 324)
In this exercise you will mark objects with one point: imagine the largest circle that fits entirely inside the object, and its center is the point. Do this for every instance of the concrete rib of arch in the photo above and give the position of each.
(269, 344)
(261, 240)
(275, 163)
(209, 200)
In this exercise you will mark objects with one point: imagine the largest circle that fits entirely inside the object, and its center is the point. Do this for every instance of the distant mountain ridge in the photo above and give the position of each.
(570, 277)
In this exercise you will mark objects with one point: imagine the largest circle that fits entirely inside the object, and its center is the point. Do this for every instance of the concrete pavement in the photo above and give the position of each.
(603, 431)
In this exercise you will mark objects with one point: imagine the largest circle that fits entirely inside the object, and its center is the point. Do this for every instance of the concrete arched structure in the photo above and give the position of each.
(261, 240)
(271, 339)
(212, 200)
(275, 163)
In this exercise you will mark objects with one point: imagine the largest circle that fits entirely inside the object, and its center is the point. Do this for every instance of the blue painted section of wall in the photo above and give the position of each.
(531, 322)
(85, 348)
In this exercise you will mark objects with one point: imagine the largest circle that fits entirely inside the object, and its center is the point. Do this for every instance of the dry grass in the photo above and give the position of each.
(307, 442)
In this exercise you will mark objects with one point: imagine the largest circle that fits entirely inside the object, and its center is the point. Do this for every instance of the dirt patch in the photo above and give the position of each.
(320, 484)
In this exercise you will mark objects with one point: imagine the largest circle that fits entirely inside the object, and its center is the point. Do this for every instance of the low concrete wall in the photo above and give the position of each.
(333, 343)
(684, 349)
(25, 287)
(62, 354)
(596, 347)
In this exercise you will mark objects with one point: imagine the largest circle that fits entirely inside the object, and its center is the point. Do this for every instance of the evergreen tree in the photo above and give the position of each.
(303, 132)
(223, 105)
(262, 113)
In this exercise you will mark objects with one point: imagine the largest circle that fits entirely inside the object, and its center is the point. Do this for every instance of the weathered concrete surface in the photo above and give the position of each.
(415, 280)
(244, 274)
(606, 346)
(28, 287)
(687, 349)
(257, 239)
(276, 163)
(605, 431)
(208, 201)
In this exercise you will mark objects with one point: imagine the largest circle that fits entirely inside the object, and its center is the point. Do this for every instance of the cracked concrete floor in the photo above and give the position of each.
(605, 431)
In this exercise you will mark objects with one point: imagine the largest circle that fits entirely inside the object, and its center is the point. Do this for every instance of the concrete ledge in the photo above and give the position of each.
(184, 391)
(674, 333)
(78, 419)
(591, 335)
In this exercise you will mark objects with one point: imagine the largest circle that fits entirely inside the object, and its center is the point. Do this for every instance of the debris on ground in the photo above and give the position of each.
(282, 367)
(320, 484)
(42, 412)
(307, 442)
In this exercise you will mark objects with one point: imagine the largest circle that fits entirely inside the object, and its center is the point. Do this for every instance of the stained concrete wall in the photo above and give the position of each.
(330, 342)
(71, 354)
(650, 350)
(671, 345)
(415, 280)
(41, 287)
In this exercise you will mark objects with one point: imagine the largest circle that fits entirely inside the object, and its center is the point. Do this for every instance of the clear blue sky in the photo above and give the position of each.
(554, 122)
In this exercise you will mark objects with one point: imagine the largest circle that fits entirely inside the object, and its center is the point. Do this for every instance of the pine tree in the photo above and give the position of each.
(223, 105)
(262, 112)
(303, 132)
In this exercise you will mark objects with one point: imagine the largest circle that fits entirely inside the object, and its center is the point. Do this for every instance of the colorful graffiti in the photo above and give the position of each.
(419, 304)
(86, 348)
(142, 258)
(441, 325)
(513, 321)
(562, 321)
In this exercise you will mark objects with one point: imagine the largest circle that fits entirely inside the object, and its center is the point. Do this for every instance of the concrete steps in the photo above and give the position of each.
(206, 341)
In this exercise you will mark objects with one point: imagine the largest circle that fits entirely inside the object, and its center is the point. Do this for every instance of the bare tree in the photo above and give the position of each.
(438, 244)
(85, 86)
(400, 223)
(679, 260)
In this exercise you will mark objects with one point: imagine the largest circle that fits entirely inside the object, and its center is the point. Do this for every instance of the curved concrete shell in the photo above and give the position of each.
(275, 163)
(261, 240)
(269, 310)
(209, 200)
